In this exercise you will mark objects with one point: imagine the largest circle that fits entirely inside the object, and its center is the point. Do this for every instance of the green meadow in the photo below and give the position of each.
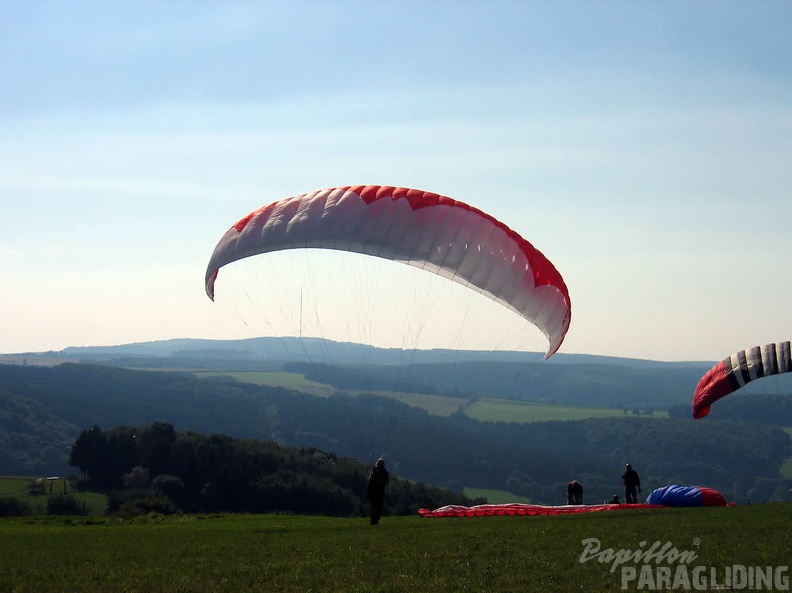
(502, 410)
(484, 409)
(439, 405)
(17, 487)
(295, 381)
(279, 553)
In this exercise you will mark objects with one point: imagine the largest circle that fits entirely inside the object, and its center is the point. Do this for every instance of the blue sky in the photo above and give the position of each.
(644, 147)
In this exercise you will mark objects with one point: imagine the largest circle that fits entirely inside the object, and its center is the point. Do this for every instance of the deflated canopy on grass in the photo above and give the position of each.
(686, 496)
(520, 509)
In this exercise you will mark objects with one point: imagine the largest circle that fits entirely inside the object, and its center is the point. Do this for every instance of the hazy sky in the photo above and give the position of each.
(644, 147)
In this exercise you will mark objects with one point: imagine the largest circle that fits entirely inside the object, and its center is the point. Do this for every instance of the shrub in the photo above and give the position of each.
(131, 503)
(66, 504)
(170, 486)
(13, 507)
(157, 504)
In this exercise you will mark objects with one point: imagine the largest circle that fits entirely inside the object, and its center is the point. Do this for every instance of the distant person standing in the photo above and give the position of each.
(574, 492)
(375, 489)
(632, 484)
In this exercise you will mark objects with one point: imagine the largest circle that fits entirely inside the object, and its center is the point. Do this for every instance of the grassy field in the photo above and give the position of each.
(272, 553)
(439, 405)
(295, 381)
(485, 409)
(17, 487)
(493, 410)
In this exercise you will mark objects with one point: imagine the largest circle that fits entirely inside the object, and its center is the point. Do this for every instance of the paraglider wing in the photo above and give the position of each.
(686, 496)
(712, 498)
(419, 228)
(738, 370)
(518, 509)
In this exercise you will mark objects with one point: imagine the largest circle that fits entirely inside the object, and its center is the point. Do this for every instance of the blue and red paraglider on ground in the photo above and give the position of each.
(667, 496)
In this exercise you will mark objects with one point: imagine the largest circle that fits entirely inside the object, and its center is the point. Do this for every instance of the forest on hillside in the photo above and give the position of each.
(585, 384)
(43, 409)
(571, 379)
(159, 469)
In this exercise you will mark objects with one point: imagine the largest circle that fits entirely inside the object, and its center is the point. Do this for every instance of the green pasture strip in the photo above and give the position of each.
(17, 487)
(495, 496)
(296, 381)
(10, 485)
(485, 409)
(504, 410)
(437, 405)
(227, 553)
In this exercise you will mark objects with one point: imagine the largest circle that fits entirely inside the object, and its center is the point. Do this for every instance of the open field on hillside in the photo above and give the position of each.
(438, 405)
(230, 554)
(484, 409)
(17, 487)
(503, 410)
(296, 381)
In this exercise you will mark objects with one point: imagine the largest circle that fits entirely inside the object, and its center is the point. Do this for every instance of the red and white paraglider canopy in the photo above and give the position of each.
(418, 228)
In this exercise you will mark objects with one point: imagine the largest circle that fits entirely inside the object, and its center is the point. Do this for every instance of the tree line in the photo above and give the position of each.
(775, 410)
(46, 407)
(160, 469)
(606, 384)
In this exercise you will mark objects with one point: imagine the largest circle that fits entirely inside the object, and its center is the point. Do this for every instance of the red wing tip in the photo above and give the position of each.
(698, 414)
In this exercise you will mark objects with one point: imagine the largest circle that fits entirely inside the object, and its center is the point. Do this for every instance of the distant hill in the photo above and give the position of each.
(571, 379)
(294, 349)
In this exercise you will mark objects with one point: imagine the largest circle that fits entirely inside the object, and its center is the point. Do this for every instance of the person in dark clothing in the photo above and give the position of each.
(574, 492)
(632, 484)
(375, 489)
